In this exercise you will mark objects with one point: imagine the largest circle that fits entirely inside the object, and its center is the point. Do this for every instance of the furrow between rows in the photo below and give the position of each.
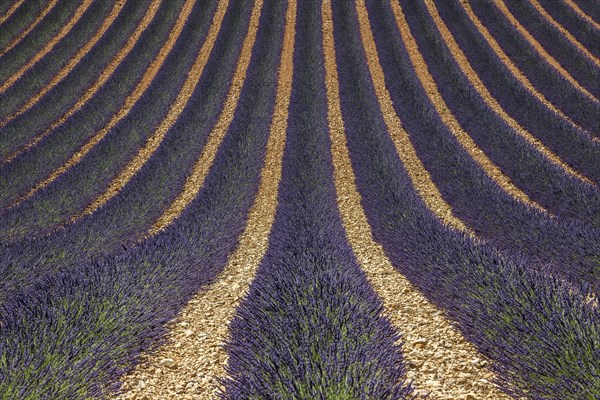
(548, 17)
(129, 103)
(79, 101)
(66, 69)
(201, 329)
(11, 10)
(513, 68)
(49, 6)
(427, 333)
(66, 28)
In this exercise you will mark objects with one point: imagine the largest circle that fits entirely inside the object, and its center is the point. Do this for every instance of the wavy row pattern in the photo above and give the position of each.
(299, 200)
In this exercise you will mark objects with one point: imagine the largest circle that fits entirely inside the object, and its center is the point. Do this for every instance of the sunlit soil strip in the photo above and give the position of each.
(406, 308)
(196, 178)
(35, 22)
(71, 64)
(130, 101)
(175, 111)
(465, 66)
(420, 67)
(565, 32)
(11, 11)
(49, 46)
(581, 13)
(512, 67)
(91, 91)
(540, 49)
(209, 313)
(418, 174)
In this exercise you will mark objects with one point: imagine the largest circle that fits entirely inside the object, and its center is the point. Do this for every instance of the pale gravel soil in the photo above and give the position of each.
(91, 91)
(66, 28)
(440, 361)
(462, 61)
(130, 102)
(33, 24)
(190, 364)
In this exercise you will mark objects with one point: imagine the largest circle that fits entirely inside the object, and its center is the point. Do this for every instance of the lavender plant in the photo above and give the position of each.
(311, 327)
(43, 71)
(72, 333)
(540, 333)
(554, 86)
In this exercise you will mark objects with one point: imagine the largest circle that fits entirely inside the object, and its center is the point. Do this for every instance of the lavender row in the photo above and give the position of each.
(94, 320)
(590, 7)
(542, 337)
(570, 246)
(43, 71)
(582, 30)
(122, 142)
(5, 6)
(568, 142)
(311, 327)
(36, 78)
(20, 20)
(544, 77)
(174, 158)
(105, 102)
(544, 182)
(556, 44)
(129, 215)
(35, 40)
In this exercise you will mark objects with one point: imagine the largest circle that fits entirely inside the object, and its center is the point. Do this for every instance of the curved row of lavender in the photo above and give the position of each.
(581, 29)
(93, 319)
(20, 20)
(80, 305)
(60, 99)
(590, 8)
(125, 139)
(89, 66)
(541, 335)
(43, 71)
(311, 326)
(35, 40)
(570, 143)
(544, 182)
(69, 194)
(544, 77)
(128, 216)
(569, 246)
(582, 68)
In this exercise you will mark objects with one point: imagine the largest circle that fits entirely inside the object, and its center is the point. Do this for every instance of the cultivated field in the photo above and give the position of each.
(269, 199)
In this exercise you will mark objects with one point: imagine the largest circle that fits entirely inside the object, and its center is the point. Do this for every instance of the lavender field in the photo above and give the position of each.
(300, 199)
